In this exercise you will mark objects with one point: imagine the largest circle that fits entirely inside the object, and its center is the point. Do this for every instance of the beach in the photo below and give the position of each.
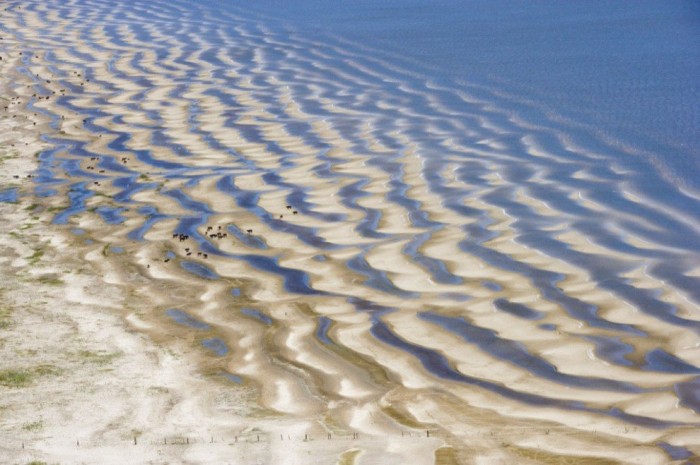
(228, 243)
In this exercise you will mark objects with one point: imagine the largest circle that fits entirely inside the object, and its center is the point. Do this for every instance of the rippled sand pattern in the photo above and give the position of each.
(364, 247)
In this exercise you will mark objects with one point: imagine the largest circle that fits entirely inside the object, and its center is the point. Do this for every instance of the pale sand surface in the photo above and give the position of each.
(92, 383)
(81, 381)
(98, 364)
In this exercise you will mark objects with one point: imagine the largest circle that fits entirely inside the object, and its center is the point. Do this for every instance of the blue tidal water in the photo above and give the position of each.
(624, 71)
(184, 318)
(9, 195)
(216, 345)
(257, 314)
(324, 324)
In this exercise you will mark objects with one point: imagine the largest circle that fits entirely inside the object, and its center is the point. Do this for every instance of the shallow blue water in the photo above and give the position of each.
(9, 195)
(624, 71)
(216, 345)
(184, 318)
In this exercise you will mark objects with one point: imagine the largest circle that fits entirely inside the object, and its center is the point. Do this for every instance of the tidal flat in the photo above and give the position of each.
(224, 241)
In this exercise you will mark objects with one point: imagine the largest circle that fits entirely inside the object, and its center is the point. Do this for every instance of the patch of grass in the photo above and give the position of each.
(15, 378)
(36, 256)
(50, 279)
(37, 462)
(33, 426)
(5, 318)
(98, 358)
(32, 207)
(43, 370)
(22, 377)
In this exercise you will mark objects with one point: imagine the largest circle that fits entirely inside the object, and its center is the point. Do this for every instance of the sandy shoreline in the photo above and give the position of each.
(81, 384)
(81, 380)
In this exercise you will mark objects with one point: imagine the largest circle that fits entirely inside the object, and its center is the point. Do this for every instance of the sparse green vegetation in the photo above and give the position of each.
(36, 256)
(15, 378)
(33, 426)
(50, 279)
(43, 370)
(5, 318)
(22, 377)
(98, 358)
(36, 462)
(32, 207)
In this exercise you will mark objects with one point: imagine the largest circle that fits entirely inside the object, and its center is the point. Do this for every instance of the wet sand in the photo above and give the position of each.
(189, 270)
